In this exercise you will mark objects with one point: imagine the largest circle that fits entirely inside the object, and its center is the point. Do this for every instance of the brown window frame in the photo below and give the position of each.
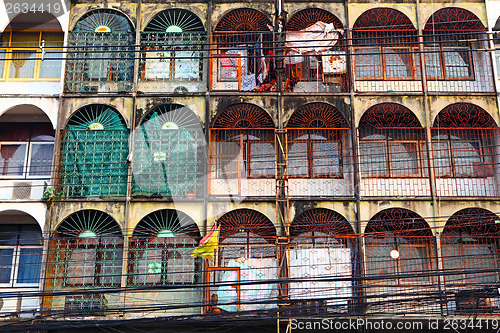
(311, 160)
(382, 53)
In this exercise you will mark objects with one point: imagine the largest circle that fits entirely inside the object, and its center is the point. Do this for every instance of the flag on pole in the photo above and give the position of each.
(208, 245)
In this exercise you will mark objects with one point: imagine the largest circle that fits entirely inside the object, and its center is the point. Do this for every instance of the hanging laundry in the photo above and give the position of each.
(317, 38)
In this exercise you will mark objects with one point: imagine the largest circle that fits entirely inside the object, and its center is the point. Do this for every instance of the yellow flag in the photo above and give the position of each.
(208, 245)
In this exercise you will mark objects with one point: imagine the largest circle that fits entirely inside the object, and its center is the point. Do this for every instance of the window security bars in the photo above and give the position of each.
(173, 62)
(99, 62)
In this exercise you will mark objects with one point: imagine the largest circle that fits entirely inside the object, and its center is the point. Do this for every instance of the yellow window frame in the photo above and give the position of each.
(9, 50)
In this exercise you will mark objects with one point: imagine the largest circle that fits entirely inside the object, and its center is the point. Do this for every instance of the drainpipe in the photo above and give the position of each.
(351, 110)
(432, 176)
(127, 226)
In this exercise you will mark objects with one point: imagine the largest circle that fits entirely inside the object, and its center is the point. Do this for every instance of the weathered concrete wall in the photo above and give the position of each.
(124, 105)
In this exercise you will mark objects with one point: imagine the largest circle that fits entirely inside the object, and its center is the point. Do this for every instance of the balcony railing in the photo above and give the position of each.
(99, 62)
(173, 62)
(236, 61)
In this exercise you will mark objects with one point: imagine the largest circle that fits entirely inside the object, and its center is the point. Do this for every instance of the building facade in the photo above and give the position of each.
(348, 152)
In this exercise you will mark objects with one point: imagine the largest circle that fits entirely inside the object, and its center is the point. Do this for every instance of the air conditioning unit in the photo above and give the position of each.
(92, 304)
(18, 306)
(8, 306)
(22, 191)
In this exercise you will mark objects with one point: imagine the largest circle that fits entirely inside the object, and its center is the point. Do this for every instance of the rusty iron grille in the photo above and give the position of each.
(108, 18)
(88, 220)
(393, 153)
(306, 73)
(317, 115)
(464, 137)
(174, 52)
(317, 152)
(160, 250)
(464, 115)
(470, 251)
(398, 221)
(400, 257)
(389, 115)
(383, 19)
(466, 153)
(175, 20)
(242, 153)
(86, 251)
(391, 143)
(398, 244)
(322, 244)
(475, 222)
(243, 116)
(451, 35)
(246, 220)
(307, 17)
(166, 220)
(321, 220)
(453, 19)
(243, 19)
(247, 239)
(385, 43)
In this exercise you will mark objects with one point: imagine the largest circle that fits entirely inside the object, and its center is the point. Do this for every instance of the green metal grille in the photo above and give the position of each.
(94, 162)
(175, 20)
(159, 254)
(86, 252)
(169, 154)
(99, 62)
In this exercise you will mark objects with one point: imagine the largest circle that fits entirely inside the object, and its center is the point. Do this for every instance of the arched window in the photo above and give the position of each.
(322, 245)
(245, 233)
(168, 153)
(20, 252)
(470, 246)
(450, 35)
(107, 37)
(242, 143)
(241, 58)
(160, 250)
(385, 42)
(172, 44)
(246, 245)
(26, 148)
(398, 244)
(391, 143)
(315, 133)
(463, 142)
(20, 48)
(86, 251)
(94, 153)
(315, 60)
